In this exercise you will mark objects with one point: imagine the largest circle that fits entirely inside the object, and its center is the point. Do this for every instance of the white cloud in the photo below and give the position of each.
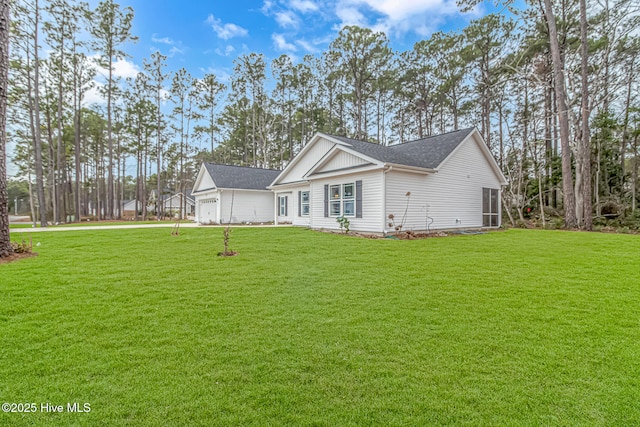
(226, 31)
(350, 16)
(164, 40)
(281, 44)
(93, 96)
(266, 6)
(226, 52)
(124, 68)
(121, 68)
(221, 74)
(307, 46)
(174, 50)
(287, 19)
(304, 6)
(419, 16)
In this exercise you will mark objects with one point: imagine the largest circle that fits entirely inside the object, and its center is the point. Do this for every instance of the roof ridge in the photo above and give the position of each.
(243, 167)
(470, 128)
(432, 136)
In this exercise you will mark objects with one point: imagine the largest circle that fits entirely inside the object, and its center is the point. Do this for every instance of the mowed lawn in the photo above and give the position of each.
(306, 328)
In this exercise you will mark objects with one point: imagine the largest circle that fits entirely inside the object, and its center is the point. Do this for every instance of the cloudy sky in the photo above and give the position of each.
(206, 36)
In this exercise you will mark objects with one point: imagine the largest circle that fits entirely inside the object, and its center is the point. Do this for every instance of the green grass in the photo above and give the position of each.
(305, 328)
(99, 223)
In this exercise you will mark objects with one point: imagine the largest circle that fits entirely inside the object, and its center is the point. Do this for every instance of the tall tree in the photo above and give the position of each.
(110, 27)
(182, 96)
(5, 237)
(155, 69)
(208, 90)
(569, 199)
(585, 142)
(361, 52)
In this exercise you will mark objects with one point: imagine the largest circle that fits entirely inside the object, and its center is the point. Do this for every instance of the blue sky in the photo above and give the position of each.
(206, 36)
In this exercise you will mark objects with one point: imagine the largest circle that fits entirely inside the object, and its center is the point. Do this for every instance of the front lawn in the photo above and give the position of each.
(305, 328)
(99, 223)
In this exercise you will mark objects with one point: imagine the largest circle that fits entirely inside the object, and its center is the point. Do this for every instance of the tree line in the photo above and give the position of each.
(551, 86)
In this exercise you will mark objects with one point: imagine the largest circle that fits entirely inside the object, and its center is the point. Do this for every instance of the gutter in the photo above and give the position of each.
(412, 169)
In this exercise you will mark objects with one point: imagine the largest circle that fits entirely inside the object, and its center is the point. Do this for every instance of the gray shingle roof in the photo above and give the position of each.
(426, 153)
(242, 177)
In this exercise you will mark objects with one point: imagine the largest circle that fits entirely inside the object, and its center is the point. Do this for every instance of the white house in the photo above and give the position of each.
(233, 194)
(445, 181)
(171, 204)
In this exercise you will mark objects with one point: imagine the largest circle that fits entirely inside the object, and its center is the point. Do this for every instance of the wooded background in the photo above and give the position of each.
(552, 86)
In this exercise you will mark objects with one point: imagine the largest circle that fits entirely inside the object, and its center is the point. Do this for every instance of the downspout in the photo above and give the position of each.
(219, 206)
(275, 208)
(384, 197)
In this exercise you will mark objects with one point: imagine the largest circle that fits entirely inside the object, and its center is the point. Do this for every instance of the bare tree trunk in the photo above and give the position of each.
(53, 190)
(110, 192)
(585, 146)
(5, 237)
(31, 204)
(76, 154)
(563, 119)
(37, 138)
(634, 175)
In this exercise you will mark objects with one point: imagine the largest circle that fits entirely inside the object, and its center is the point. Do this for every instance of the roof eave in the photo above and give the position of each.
(406, 168)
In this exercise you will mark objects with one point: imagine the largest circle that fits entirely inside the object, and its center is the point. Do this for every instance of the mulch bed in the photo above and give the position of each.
(16, 257)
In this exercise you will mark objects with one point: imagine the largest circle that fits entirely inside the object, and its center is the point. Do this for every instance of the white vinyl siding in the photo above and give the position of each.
(293, 217)
(450, 198)
(248, 206)
(371, 201)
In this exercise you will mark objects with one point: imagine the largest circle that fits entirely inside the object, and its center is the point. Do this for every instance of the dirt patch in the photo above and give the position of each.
(228, 253)
(16, 257)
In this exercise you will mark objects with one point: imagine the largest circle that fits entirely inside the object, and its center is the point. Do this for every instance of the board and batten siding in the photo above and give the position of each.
(248, 206)
(450, 198)
(372, 202)
(206, 182)
(342, 160)
(310, 158)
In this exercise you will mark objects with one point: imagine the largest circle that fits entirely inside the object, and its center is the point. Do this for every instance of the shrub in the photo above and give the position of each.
(344, 223)
(23, 247)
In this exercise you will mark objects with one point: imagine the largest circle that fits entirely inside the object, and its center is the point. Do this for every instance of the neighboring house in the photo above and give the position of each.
(171, 204)
(445, 181)
(129, 208)
(233, 194)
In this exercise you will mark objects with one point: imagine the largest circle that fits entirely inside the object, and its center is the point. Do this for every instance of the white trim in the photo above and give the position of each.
(302, 204)
(342, 200)
(279, 187)
(341, 172)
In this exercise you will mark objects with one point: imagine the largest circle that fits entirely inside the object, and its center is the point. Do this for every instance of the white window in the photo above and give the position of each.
(304, 203)
(282, 206)
(342, 200)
